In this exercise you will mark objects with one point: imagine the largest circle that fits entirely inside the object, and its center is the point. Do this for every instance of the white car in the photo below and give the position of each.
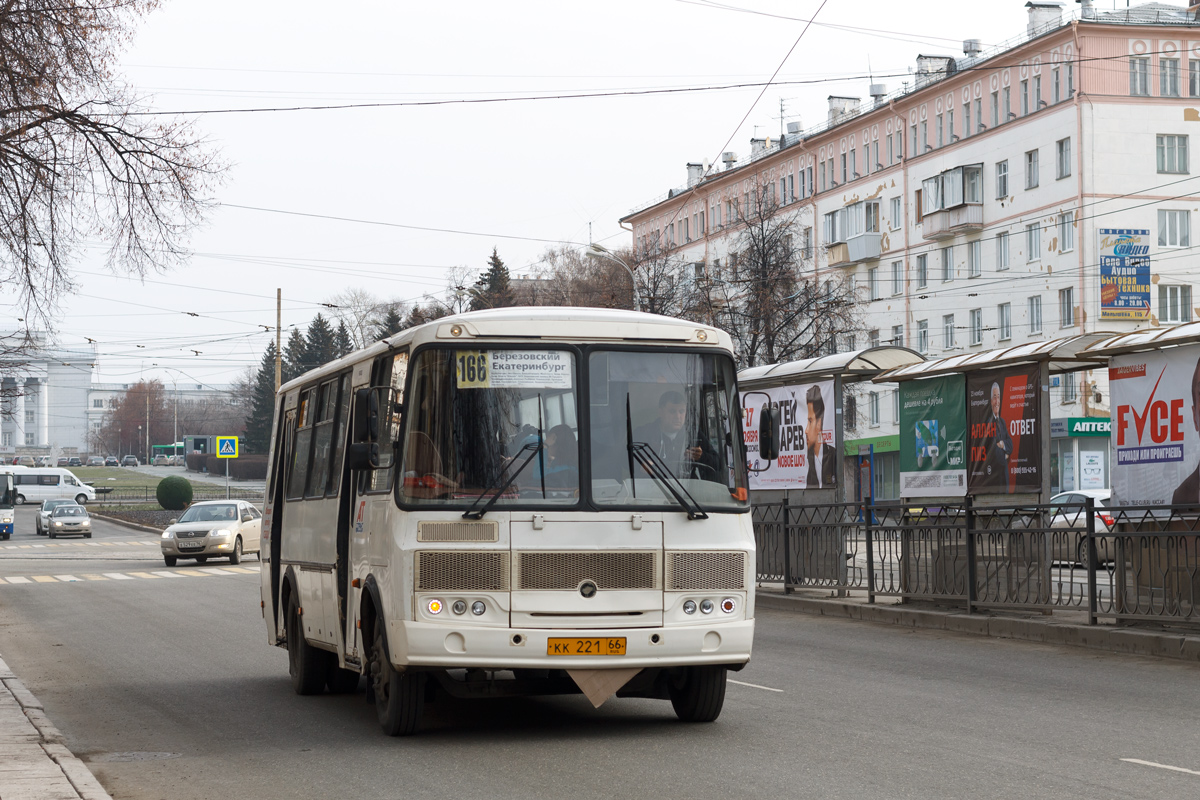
(42, 523)
(1070, 513)
(213, 529)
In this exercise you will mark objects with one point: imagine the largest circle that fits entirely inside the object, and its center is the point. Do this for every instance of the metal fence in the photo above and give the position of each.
(1134, 563)
(133, 495)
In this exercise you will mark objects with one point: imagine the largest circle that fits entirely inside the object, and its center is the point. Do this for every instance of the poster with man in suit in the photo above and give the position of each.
(1004, 417)
(808, 457)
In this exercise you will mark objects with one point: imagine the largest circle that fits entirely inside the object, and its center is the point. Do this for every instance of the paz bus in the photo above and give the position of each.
(520, 501)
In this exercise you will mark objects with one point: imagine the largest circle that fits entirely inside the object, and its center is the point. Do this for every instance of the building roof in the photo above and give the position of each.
(859, 364)
(1064, 355)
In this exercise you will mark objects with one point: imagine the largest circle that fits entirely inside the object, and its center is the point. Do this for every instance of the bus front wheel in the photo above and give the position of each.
(399, 696)
(698, 693)
(306, 664)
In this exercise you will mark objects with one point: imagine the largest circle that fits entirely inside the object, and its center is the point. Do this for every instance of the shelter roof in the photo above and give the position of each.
(1064, 355)
(858, 364)
(1149, 339)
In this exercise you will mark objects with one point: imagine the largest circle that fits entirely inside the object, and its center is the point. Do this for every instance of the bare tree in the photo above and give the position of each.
(666, 283)
(80, 157)
(767, 294)
(362, 313)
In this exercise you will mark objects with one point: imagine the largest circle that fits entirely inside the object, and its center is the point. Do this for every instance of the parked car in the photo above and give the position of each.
(96, 461)
(24, 461)
(213, 529)
(41, 523)
(129, 461)
(1070, 513)
(161, 461)
(44, 461)
(62, 462)
(111, 461)
(75, 461)
(70, 519)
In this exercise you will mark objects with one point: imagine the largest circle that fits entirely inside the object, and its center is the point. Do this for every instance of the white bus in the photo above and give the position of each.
(514, 502)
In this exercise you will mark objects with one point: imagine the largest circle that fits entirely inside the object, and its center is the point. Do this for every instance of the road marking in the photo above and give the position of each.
(44, 579)
(144, 575)
(243, 570)
(37, 545)
(117, 576)
(194, 572)
(1160, 766)
(164, 574)
(67, 578)
(18, 580)
(215, 570)
(754, 686)
(95, 577)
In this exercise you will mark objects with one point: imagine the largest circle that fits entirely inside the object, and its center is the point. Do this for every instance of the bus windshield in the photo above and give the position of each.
(662, 431)
(496, 423)
(6, 490)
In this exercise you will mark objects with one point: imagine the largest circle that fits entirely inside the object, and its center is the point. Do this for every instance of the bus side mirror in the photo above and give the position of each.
(768, 432)
(366, 416)
(363, 455)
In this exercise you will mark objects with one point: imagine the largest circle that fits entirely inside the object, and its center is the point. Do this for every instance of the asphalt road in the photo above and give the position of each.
(166, 686)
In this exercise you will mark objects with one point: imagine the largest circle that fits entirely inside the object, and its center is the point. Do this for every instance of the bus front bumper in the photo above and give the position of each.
(457, 646)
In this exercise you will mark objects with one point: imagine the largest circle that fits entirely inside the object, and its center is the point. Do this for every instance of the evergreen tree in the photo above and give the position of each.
(320, 347)
(262, 404)
(493, 289)
(341, 340)
(391, 322)
(295, 356)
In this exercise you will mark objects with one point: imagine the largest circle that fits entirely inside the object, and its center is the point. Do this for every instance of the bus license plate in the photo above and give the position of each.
(586, 647)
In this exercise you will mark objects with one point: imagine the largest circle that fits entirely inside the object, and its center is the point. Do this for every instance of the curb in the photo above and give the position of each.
(39, 776)
(135, 526)
(1162, 644)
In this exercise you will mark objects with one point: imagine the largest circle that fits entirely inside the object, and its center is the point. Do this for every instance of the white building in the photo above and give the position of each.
(44, 405)
(982, 205)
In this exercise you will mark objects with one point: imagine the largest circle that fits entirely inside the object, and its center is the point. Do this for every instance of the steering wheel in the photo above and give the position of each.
(684, 467)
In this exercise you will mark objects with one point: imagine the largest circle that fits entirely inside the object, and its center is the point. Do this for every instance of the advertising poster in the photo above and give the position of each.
(807, 456)
(1004, 412)
(933, 433)
(1091, 469)
(1124, 273)
(1155, 447)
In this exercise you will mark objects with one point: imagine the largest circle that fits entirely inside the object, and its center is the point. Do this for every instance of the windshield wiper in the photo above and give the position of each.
(537, 449)
(657, 469)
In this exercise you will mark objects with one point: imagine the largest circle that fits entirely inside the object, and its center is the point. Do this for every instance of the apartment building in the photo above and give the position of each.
(1041, 189)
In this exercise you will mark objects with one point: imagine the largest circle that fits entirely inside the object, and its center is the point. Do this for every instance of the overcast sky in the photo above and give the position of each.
(518, 175)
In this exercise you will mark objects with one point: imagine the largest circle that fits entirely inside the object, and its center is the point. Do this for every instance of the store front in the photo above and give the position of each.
(878, 456)
(1079, 453)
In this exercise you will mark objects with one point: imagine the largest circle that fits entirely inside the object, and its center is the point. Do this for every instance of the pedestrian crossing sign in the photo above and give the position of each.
(227, 447)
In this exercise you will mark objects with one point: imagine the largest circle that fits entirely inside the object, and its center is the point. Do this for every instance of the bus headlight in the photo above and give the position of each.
(706, 606)
(8, 520)
(729, 605)
(689, 606)
(433, 606)
(477, 608)
(459, 607)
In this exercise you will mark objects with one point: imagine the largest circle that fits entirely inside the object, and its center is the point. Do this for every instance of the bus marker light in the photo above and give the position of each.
(728, 605)
(434, 606)
(477, 608)
(706, 606)
(689, 606)
(459, 607)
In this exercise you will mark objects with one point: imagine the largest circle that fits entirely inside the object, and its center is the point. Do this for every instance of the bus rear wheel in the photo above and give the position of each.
(399, 696)
(698, 693)
(306, 664)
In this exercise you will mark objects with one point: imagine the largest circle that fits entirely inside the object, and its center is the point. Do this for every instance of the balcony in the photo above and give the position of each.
(953, 221)
(864, 247)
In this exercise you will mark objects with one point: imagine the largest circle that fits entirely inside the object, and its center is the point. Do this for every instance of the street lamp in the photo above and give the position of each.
(600, 251)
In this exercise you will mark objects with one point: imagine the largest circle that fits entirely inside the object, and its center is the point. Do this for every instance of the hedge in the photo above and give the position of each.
(243, 468)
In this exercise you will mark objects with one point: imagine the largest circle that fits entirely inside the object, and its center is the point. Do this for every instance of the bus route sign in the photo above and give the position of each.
(227, 447)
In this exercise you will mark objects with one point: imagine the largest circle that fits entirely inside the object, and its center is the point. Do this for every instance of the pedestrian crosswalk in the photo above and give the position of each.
(82, 543)
(85, 577)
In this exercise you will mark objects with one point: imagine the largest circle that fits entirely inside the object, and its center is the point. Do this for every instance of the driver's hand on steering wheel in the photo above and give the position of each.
(693, 453)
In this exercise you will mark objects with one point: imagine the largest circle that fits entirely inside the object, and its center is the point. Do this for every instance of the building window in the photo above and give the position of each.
(974, 259)
(1001, 179)
(1024, 97)
(853, 165)
(922, 336)
(1172, 153)
(922, 271)
(1174, 228)
(873, 398)
(890, 153)
(925, 134)
(1194, 78)
(978, 113)
(1139, 76)
(1035, 314)
(1031, 169)
(1033, 242)
(898, 335)
(938, 123)
(845, 174)
(1035, 102)
(1066, 307)
(1062, 158)
(896, 213)
(873, 337)
(912, 145)
(1070, 390)
(1002, 250)
(1066, 232)
(897, 277)
(1168, 77)
(873, 282)
(995, 109)
(1070, 80)
(951, 188)
(966, 120)
(1007, 105)
(1004, 321)
(1174, 303)
(976, 326)
(30, 439)
(97, 404)
(29, 417)
(1056, 89)
(948, 331)
(947, 264)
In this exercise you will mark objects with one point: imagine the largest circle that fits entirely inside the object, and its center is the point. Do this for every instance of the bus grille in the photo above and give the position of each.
(462, 571)
(705, 572)
(435, 531)
(565, 571)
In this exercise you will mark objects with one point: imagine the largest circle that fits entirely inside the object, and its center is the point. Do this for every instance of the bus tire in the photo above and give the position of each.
(236, 556)
(306, 664)
(399, 696)
(20, 499)
(699, 694)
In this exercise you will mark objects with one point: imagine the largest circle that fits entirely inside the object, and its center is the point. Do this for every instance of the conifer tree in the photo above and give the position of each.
(390, 323)
(493, 289)
(341, 341)
(262, 404)
(320, 347)
(295, 356)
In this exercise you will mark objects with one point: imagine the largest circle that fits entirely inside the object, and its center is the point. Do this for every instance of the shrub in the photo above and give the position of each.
(195, 461)
(174, 493)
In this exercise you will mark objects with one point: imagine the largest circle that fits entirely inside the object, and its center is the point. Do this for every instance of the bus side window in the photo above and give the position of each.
(302, 444)
(339, 438)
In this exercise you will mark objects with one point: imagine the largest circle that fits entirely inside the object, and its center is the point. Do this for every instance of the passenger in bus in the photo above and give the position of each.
(562, 449)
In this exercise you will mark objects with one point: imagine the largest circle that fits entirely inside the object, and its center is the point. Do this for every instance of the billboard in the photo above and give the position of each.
(933, 433)
(1155, 446)
(1124, 273)
(1004, 410)
(807, 456)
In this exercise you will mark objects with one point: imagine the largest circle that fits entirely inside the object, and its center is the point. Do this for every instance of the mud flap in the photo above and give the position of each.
(600, 684)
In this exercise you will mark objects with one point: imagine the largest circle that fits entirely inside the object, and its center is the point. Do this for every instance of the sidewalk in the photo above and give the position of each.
(34, 763)
(1063, 628)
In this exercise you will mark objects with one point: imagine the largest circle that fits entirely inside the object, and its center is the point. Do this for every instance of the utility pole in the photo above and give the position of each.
(278, 336)
(147, 422)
